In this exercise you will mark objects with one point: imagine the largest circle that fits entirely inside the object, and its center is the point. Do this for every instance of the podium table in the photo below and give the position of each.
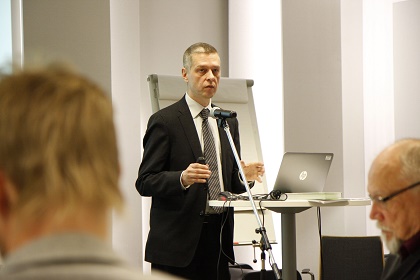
(288, 209)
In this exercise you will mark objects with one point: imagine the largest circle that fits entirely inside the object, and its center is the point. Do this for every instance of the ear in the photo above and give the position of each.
(8, 196)
(184, 74)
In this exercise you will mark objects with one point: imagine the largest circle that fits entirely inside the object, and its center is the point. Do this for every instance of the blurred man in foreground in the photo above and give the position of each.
(58, 178)
(394, 186)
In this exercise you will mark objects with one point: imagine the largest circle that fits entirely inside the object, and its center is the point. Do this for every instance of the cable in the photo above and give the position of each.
(225, 216)
(261, 198)
(262, 213)
(318, 214)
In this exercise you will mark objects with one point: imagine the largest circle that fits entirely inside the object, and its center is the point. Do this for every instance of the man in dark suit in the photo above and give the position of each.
(185, 233)
(394, 186)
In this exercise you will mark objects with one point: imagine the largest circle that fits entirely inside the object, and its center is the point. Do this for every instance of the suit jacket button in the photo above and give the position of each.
(201, 213)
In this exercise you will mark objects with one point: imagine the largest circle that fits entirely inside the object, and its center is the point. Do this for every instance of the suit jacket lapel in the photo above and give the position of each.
(188, 127)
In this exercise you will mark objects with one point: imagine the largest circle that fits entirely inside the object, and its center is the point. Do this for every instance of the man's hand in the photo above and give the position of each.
(253, 171)
(195, 173)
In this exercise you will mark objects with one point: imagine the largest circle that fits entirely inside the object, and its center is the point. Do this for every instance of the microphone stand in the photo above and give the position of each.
(263, 271)
(265, 243)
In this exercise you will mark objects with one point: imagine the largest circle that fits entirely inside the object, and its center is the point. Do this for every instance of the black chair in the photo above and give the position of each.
(240, 265)
(351, 257)
(246, 272)
(269, 275)
(249, 274)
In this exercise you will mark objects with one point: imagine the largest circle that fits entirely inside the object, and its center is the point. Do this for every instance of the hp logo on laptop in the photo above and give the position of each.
(303, 175)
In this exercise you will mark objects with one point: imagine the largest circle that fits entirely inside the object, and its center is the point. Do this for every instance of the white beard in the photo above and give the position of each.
(393, 244)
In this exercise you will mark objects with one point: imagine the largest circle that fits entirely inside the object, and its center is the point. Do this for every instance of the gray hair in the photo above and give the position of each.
(196, 48)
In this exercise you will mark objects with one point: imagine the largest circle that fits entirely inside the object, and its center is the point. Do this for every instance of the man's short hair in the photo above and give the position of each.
(57, 141)
(410, 159)
(196, 48)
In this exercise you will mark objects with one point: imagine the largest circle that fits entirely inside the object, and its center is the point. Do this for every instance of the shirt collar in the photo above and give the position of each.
(410, 246)
(195, 107)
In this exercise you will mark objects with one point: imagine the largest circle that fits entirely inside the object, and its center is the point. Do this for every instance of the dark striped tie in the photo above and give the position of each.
(211, 159)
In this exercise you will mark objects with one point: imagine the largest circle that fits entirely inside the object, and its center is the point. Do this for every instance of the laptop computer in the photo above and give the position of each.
(303, 172)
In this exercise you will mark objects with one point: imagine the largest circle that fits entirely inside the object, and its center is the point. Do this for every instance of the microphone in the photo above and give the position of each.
(201, 160)
(217, 113)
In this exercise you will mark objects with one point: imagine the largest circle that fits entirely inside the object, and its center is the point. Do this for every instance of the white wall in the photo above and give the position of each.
(5, 33)
(255, 52)
(313, 107)
(378, 83)
(407, 68)
(125, 79)
(353, 111)
(76, 32)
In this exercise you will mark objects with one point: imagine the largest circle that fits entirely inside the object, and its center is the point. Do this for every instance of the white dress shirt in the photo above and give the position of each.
(195, 109)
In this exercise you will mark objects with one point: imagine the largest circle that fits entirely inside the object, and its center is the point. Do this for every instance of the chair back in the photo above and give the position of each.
(351, 257)
(250, 274)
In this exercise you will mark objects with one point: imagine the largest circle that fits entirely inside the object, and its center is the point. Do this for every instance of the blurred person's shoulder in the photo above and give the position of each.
(70, 256)
(69, 271)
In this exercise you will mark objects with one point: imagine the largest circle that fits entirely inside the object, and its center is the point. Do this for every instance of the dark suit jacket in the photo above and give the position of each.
(170, 144)
(396, 269)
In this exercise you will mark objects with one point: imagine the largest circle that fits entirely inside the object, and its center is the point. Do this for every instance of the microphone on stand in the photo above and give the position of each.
(217, 113)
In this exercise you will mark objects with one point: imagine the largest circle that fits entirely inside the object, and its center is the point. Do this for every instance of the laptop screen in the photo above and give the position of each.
(303, 172)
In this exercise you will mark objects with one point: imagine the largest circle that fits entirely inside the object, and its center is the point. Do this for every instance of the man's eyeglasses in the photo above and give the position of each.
(381, 199)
